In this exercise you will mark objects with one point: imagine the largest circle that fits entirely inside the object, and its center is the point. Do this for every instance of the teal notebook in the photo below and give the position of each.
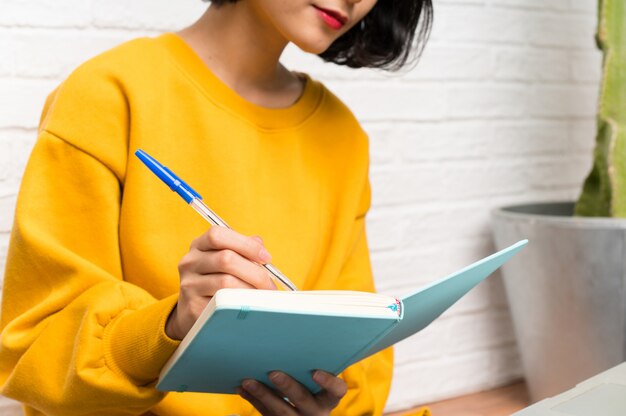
(249, 333)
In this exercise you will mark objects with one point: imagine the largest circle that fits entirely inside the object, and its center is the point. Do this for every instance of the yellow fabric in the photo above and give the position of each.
(92, 266)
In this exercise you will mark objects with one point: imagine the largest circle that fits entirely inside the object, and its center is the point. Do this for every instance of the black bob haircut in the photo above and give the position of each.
(386, 38)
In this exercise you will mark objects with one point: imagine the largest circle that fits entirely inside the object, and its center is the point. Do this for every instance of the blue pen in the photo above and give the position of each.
(194, 199)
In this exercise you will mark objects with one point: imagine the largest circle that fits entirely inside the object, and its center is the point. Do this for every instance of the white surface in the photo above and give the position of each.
(499, 110)
(603, 394)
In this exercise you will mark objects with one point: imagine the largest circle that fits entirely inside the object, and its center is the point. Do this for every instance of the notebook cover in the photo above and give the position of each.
(239, 343)
(428, 303)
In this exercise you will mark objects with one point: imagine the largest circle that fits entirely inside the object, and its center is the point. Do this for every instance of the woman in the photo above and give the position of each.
(107, 271)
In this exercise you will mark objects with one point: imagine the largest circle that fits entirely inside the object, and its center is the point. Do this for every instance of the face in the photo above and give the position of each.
(312, 25)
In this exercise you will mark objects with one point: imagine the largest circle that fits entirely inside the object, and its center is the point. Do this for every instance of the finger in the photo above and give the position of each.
(220, 238)
(268, 399)
(333, 387)
(253, 401)
(230, 262)
(206, 285)
(297, 394)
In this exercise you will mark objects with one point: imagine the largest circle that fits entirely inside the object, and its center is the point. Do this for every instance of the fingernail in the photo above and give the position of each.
(265, 255)
(278, 378)
(250, 385)
(319, 377)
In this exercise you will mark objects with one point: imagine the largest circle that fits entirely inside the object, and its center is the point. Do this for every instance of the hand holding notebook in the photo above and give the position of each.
(246, 334)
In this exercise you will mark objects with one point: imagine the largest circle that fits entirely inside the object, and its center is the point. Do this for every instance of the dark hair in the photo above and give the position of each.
(385, 38)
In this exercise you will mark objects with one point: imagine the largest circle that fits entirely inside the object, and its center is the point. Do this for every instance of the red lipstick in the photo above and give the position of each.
(332, 18)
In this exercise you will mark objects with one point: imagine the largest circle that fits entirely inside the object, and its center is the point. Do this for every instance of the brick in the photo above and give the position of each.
(452, 62)
(383, 143)
(444, 224)
(26, 99)
(562, 101)
(391, 101)
(7, 52)
(586, 66)
(10, 407)
(37, 52)
(411, 268)
(404, 271)
(533, 4)
(463, 2)
(433, 342)
(447, 140)
(384, 234)
(4, 246)
(8, 198)
(45, 13)
(526, 138)
(446, 181)
(566, 31)
(16, 147)
(482, 330)
(588, 6)
(433, 380)
(486, 101)
(583, 135)
(558, 173)
(139, 14)
(532, 65)
(486, 25)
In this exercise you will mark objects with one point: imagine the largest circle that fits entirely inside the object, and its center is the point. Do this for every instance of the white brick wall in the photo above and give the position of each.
(499, 110)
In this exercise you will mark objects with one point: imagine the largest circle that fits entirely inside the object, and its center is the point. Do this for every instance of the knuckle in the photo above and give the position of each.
(196, 242)
(213, 236)
(342, 390)
(226, 280)
(186, 262)
(186, 285)
(225, 259)
(298, 396)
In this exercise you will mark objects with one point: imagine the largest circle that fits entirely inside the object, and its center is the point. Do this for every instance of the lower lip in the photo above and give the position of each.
(330, 20)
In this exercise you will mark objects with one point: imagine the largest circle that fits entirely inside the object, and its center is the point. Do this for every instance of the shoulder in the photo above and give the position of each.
(91, 108)
(113, 70)
(340, 124)
(335, 108)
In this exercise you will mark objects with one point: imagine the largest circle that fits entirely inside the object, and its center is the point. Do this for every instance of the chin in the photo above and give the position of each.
(312, 40)
(313, 47)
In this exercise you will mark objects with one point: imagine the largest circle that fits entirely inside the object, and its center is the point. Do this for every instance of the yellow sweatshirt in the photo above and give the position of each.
(92, 267)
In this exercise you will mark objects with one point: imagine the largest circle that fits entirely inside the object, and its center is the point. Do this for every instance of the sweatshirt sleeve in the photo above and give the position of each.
(369, 380)
(76, 338)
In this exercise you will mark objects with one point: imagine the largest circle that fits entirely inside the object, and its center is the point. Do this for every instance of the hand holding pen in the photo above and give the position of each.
(219, 258)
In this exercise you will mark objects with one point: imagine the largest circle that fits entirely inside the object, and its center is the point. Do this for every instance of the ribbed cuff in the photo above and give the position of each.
(136, 342)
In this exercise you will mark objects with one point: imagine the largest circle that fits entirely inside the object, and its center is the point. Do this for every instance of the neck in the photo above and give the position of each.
(239, 47)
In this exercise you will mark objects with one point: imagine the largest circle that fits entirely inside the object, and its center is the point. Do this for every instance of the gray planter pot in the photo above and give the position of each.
(566, 292)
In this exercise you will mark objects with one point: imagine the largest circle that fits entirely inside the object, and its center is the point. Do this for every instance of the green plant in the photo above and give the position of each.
(604, 191)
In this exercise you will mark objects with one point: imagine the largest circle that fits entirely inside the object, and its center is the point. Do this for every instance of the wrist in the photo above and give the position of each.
(171, 327)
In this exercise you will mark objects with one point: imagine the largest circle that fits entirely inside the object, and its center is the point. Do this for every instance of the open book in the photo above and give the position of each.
(245, 333)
